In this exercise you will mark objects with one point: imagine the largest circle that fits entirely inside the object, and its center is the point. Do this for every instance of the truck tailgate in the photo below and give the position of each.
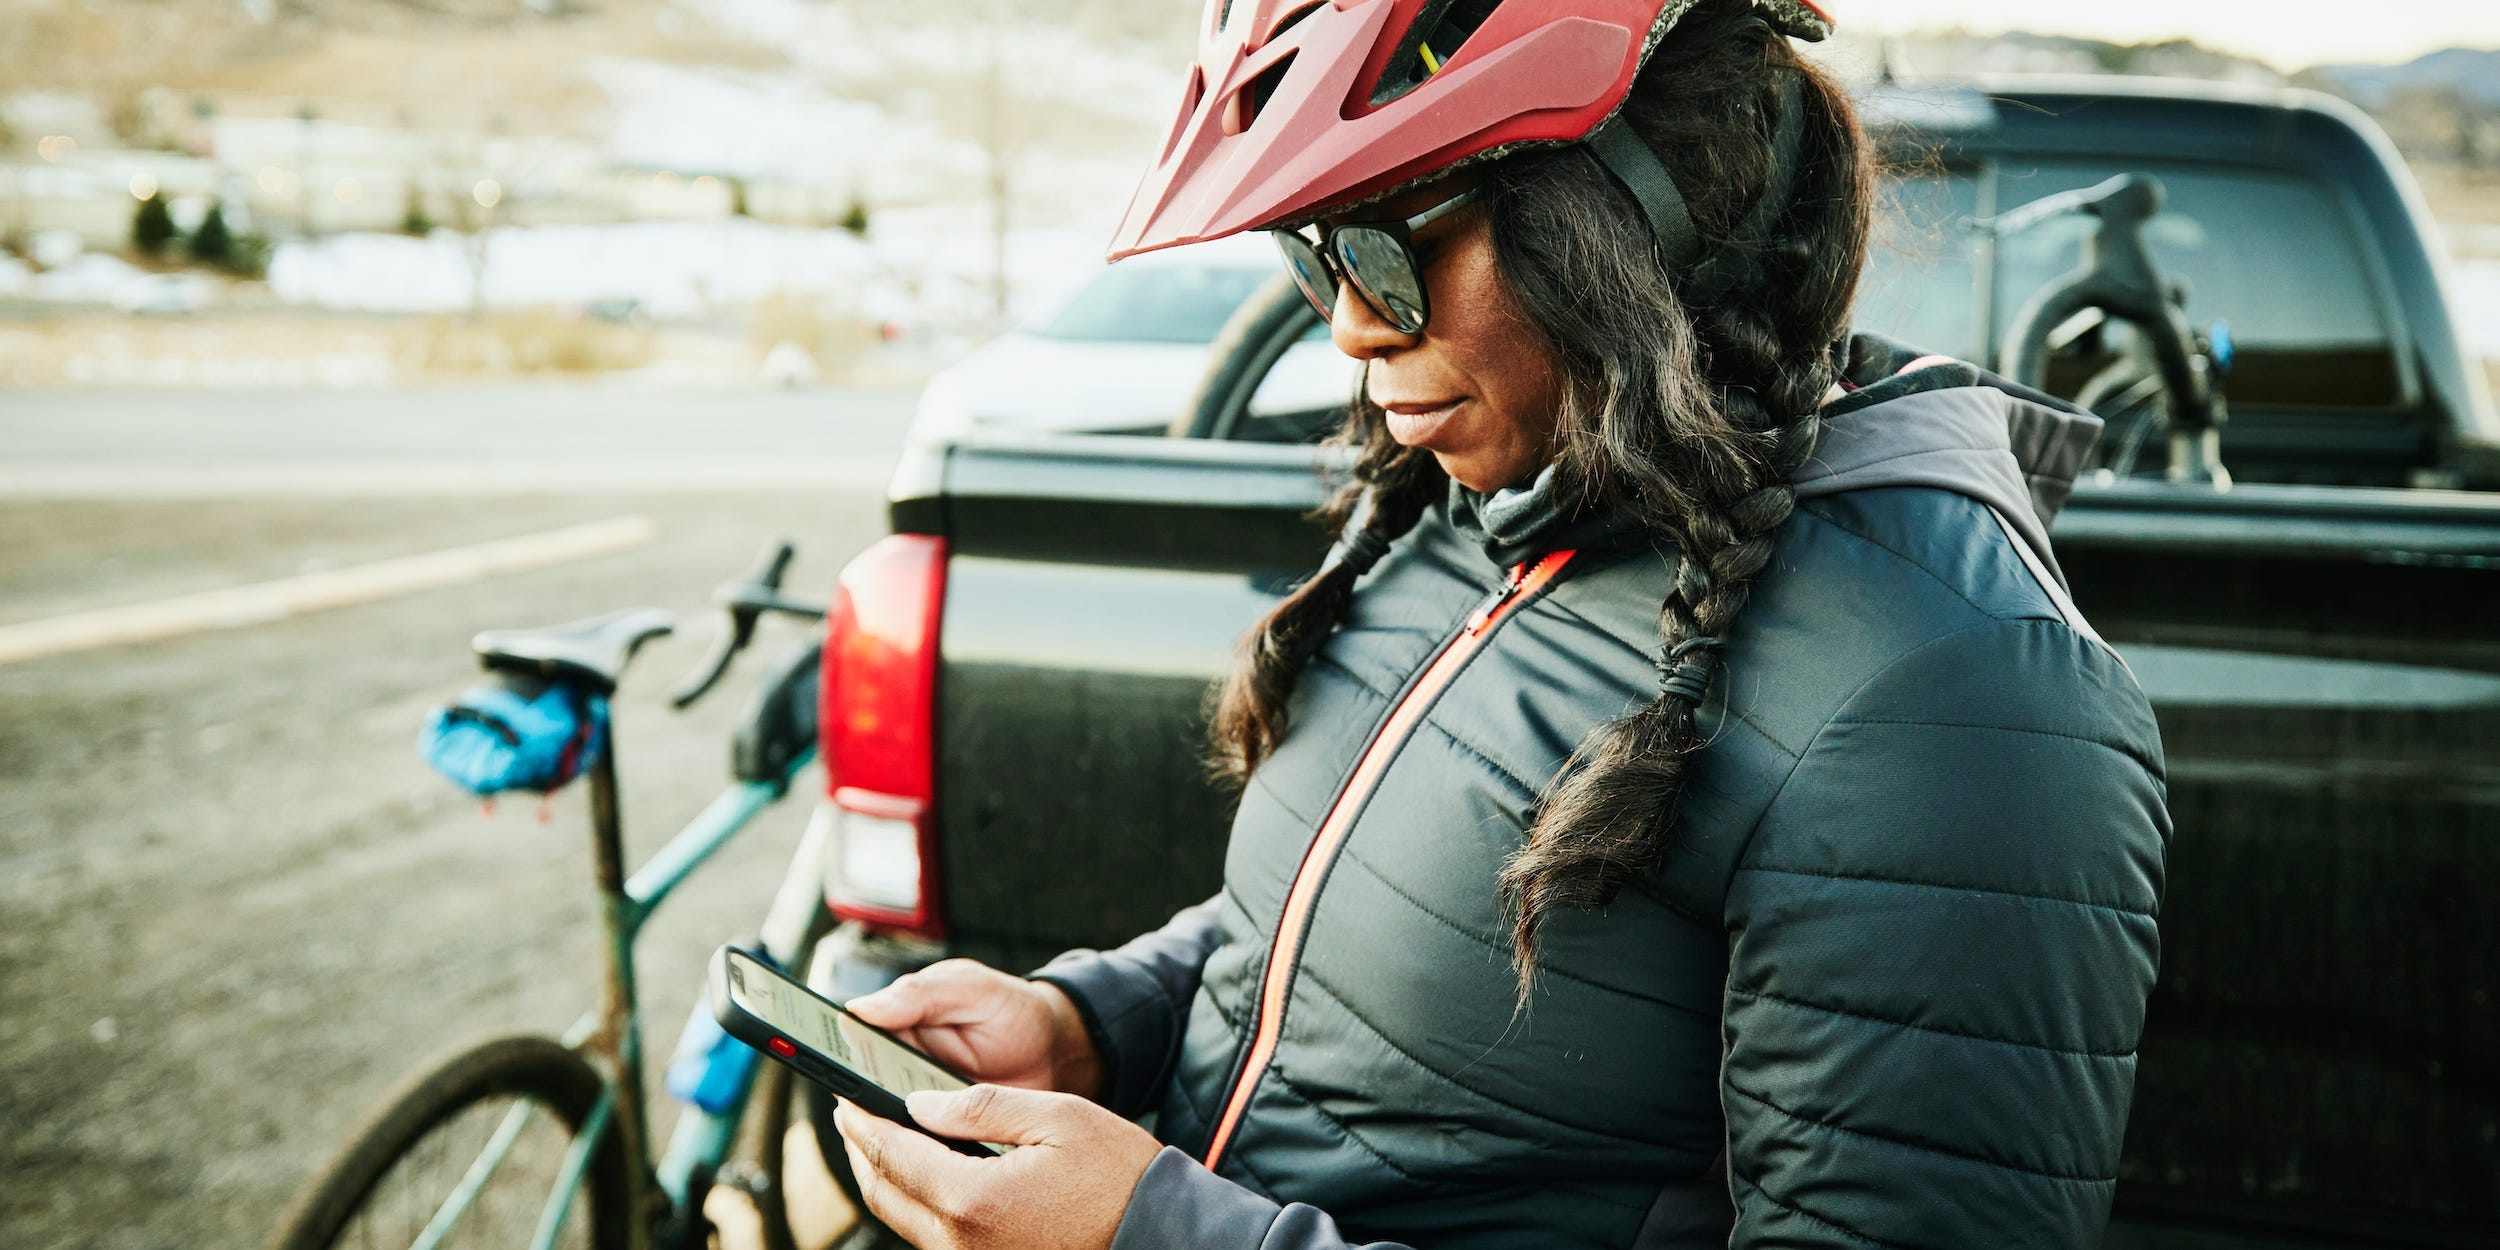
(1096, 589)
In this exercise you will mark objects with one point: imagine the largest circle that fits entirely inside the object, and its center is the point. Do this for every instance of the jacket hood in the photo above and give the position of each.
(1903, 419)
(1900, 418)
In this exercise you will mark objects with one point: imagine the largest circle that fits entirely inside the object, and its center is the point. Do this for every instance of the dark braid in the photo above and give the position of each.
(1702, 448)
(1391, 488)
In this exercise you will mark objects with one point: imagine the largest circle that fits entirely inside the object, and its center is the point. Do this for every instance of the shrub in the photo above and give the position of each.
(152, 228)
(416, 221)
(213, 242)
(249, 256)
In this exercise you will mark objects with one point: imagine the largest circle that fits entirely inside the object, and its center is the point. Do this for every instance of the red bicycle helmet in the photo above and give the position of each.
(1297, 106)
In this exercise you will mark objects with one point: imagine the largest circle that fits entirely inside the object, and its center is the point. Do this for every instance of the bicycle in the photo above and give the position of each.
(2169, 379)
(555, 1131)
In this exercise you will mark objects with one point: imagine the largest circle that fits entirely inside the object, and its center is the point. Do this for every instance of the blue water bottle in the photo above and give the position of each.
(710, 1068)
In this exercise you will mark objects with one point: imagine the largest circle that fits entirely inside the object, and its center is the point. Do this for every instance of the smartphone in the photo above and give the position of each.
(759, 1005)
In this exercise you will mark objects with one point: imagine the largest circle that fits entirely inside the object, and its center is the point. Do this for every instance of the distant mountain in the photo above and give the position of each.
(2468, 72)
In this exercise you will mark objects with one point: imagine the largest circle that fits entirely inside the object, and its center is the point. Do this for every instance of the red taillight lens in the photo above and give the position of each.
(875, 725)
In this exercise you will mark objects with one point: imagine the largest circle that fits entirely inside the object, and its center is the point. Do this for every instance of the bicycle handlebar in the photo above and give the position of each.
(2126, 187)
(747, 599)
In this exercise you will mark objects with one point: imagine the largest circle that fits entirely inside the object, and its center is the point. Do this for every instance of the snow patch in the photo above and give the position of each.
(95, 278)
(925, 267)
(670, 268)
(757, 125)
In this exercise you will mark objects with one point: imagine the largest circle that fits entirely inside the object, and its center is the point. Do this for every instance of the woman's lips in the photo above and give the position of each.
(1414, 424)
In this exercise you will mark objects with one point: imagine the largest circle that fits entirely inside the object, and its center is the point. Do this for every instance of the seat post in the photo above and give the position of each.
(607, 828)
(617, 1010)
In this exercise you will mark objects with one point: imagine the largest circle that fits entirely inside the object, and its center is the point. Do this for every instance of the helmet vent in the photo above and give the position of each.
(1440, 30)
(1286, 22)
(1254, 94)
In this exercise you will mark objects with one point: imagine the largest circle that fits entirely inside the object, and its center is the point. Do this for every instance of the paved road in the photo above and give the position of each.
(452, 440)
(233, 905)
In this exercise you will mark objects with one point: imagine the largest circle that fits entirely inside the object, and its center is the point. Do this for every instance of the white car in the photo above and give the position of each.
(1127, 350)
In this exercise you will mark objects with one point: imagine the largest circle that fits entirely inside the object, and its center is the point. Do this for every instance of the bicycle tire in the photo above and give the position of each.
(536, 1071)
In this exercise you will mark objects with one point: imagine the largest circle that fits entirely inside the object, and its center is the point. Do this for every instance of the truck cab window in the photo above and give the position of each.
(2273, 254)
(1921, 283)
(1306, 396)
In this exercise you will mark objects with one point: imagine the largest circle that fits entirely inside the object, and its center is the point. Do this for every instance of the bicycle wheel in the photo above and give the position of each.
(521, 1100)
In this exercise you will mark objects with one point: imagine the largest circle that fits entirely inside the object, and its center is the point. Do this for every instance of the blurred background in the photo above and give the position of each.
(593, 297)
(365, 193)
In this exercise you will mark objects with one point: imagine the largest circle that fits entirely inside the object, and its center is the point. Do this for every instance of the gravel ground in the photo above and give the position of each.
(235, 907)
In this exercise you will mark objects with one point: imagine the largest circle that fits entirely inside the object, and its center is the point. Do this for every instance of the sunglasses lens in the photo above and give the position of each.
(1309, 270)
(1383, 269)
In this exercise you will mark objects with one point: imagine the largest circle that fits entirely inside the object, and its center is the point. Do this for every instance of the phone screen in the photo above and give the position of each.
(832, 1032)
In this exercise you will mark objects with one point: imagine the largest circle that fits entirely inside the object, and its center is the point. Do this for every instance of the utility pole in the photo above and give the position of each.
(304, 118)
(997, 143)
(20, 234)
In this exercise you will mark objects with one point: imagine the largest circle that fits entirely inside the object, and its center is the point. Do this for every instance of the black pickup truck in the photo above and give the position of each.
(1014, 679)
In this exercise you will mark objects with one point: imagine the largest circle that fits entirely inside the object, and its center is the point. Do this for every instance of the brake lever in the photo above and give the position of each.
(710, 672)
(752, 601)
(747, 599)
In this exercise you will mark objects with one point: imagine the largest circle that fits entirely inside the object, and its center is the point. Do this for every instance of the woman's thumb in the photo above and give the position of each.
(954, 991)
(894, 1007)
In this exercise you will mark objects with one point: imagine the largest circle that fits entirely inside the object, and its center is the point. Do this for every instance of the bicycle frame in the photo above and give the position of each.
(612, 1033)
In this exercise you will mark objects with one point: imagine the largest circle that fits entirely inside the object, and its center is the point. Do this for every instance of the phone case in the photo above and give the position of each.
(804, 1060)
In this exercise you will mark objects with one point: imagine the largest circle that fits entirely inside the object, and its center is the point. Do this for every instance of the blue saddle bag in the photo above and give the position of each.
(515, 733)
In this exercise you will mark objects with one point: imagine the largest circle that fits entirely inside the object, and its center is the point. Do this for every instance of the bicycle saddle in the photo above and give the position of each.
(593, 652)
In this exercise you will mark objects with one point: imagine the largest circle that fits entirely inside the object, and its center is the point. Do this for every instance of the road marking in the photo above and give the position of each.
(209, 479)
(313, 592)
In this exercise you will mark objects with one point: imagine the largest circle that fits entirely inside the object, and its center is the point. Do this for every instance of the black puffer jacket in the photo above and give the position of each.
(1885, 989)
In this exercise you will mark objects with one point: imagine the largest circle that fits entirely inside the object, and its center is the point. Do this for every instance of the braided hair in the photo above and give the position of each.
(1687, 401)
(1391, 488)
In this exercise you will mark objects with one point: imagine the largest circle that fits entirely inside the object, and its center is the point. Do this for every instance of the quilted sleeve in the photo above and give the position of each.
(1941, 939)
(1177, 1203)
(1135, 1000)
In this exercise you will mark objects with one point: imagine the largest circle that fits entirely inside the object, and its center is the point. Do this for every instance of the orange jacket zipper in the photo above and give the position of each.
(1284, 954)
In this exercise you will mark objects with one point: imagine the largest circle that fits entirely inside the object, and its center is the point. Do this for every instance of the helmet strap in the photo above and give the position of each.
(1631, 162)
(1705, 279)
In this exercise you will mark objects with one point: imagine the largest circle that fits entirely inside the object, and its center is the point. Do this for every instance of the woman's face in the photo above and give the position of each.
(1477, 388)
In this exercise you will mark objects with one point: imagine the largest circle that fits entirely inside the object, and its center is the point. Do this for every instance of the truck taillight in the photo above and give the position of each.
(875, 726)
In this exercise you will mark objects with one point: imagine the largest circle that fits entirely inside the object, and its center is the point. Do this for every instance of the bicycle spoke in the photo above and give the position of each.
(569, 1176)
(480, 1170)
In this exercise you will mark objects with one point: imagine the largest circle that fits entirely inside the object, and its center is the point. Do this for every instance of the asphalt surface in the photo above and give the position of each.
(234, 905)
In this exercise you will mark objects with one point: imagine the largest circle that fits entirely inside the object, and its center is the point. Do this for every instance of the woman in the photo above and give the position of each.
(1685, 809)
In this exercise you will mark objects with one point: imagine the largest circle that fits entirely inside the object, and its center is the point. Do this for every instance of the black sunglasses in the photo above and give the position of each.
(1376, 256)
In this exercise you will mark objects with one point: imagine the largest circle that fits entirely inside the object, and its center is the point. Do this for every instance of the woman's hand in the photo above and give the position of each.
(1065, 1187)
(989, 1026)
